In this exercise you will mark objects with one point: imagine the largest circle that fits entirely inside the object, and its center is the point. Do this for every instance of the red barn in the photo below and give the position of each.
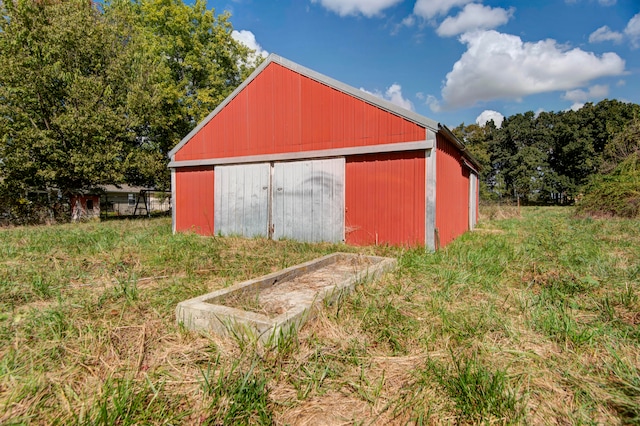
(292, 153)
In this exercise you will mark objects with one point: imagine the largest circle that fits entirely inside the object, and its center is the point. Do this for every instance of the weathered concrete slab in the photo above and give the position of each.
(264, 308)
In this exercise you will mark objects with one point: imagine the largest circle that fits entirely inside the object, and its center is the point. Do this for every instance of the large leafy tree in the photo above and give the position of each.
(519, 155)
(95, 94)
(75, 88)
(201, 65)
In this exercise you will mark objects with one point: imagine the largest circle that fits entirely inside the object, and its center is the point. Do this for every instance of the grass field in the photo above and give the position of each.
(532, 319)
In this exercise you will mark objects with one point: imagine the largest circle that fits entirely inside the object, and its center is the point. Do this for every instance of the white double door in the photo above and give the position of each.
(301, 200)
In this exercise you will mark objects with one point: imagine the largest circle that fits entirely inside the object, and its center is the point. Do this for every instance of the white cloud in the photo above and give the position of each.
(367, 8)
(249, 39)
(597, 91)
(575, 107)
(605, 34)
(633, 30)
(409, 21)
(474, 17)
(394, 95)
(498, 65)
(430, 8)
(433, 103)
(488, 115)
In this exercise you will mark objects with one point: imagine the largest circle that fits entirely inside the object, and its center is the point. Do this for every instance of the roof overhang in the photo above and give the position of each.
(468, 159)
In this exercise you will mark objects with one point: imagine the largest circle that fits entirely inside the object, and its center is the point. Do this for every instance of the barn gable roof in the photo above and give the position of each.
(314, 75)
(382, 104)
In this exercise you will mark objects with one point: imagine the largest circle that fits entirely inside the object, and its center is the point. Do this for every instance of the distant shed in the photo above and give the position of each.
(292, 153)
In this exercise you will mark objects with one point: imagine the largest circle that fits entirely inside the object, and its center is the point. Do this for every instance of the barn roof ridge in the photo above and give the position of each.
(321, 78)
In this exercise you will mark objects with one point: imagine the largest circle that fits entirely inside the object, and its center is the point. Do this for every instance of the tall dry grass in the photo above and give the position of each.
(532, 319)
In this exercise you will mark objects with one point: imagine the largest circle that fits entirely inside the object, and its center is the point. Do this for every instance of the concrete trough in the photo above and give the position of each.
(268, 307)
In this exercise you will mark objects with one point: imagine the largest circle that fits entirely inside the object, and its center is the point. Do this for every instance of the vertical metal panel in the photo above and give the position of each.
(385, 199)
(304, 114)
(308, 200)
(193, 203)
(242, 199)
(452, 192)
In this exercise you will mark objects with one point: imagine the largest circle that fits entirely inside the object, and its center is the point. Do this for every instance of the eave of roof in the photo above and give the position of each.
(444, 130)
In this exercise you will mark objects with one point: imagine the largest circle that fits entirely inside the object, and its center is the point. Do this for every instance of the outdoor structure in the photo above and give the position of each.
(126, 200)
(120, 200)
(84, 206)
(292, 153)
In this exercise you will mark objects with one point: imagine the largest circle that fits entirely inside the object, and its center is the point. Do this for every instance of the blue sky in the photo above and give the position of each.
(457, 61)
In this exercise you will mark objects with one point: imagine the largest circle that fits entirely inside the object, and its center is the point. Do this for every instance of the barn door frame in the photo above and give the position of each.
(310, 194)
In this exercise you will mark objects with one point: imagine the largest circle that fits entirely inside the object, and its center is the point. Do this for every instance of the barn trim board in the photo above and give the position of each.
(326, 153)
(354, 167)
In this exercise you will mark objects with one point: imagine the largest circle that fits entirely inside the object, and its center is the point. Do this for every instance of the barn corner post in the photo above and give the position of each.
(173, 200)
(430, 207)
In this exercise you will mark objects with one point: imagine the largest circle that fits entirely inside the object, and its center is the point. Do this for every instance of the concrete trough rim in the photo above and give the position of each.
(208, 312)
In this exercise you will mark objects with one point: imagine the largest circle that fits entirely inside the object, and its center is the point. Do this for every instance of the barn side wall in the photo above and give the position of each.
(194, 200)
(385, 199)
(281, 111)
(452, 192)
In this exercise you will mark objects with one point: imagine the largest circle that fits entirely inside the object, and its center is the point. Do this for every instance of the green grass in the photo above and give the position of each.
(532, 319)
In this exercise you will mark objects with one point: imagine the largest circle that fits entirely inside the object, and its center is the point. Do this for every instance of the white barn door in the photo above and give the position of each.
(308, 200)
(241, 203)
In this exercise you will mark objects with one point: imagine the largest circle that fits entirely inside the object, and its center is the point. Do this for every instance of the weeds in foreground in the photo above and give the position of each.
(478, 392)
(532, 319)
(237, 395)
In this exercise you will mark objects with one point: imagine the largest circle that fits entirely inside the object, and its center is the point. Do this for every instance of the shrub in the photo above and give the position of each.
(615, 194)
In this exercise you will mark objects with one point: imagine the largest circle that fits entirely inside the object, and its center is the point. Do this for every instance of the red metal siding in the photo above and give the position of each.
(452, 192)
(194, 200)
(283, 111)
(385, 199)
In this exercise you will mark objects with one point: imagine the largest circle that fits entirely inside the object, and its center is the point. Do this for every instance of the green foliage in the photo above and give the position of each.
(615, 194)
(624, 144)
(550, 156)
(75, 87)
(201, 64)
(94, 95)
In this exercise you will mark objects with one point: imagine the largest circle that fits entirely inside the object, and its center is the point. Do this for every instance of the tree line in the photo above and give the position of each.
(552, 157)
(98, 93)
